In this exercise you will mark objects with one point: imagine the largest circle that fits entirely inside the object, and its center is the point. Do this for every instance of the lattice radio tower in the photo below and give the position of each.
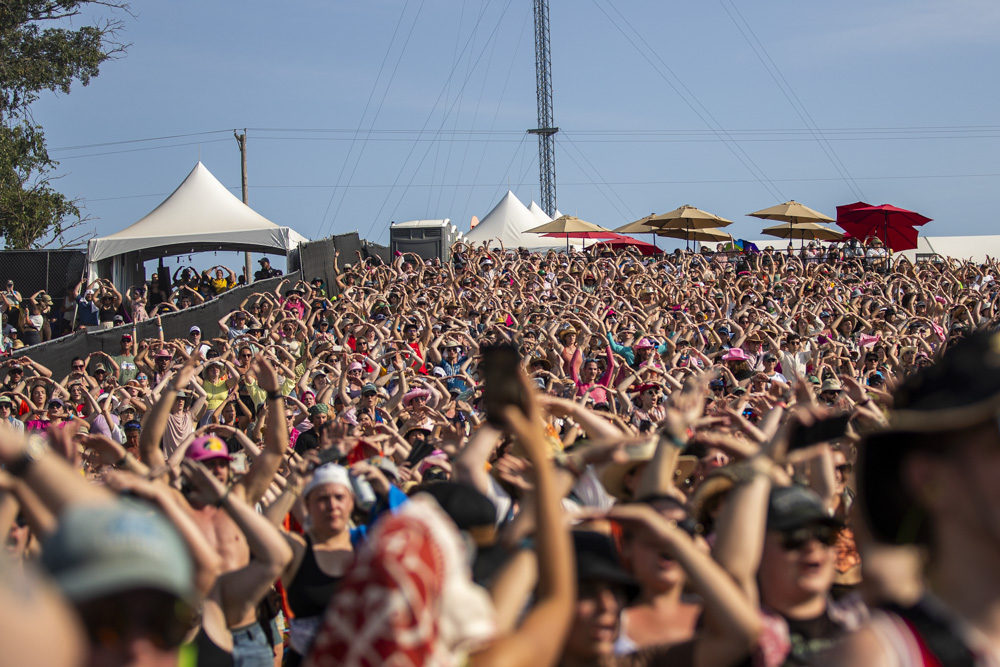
(546, 125)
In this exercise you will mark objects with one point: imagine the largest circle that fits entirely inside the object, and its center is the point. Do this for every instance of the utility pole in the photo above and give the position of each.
(546, 125)
(241, 140)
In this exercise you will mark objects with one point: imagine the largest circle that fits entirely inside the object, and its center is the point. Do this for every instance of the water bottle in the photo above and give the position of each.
(364, 494)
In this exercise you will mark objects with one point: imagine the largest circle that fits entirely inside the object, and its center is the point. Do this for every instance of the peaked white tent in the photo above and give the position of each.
(201, 214)
(508, 221)
(540, 214)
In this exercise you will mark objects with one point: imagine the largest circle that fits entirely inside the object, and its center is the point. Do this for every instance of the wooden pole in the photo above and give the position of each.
(241, 140)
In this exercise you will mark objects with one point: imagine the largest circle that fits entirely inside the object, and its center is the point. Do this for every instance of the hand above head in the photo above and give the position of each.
(207, 485)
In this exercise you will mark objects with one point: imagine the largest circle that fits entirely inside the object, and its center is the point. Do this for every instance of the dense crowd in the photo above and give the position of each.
(776, 458)
(90, 306)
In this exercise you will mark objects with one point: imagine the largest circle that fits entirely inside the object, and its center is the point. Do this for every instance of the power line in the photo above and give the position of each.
(385, 94)
(448, 111)
(733, 147)
(521, 182)
(430, 115)
(758, 48)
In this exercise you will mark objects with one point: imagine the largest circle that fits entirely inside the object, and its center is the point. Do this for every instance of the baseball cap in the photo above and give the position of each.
(791, 507)
(208, 447)
(355, 366)
(102, 550)
(194, 328)
(319, 409)
(369, 388)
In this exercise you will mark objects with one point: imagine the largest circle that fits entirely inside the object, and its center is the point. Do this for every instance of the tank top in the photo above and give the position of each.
(310, 591)
(215, 394)
(107, 314)
(210, 654)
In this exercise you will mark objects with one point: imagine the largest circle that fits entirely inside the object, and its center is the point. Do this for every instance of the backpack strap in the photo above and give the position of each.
(940, 645)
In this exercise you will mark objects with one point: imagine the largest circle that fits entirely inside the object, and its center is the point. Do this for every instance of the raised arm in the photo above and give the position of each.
(258, 478)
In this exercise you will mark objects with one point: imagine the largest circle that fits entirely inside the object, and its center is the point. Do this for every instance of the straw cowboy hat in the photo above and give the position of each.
(614, 474)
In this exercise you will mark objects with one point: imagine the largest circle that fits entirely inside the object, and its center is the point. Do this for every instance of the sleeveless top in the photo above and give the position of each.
(215, 394)
(927, 635)
(311, 589)
(308, 595)
(210, 654)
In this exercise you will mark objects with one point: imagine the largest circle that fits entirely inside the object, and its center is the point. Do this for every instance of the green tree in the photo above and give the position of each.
(44, 50)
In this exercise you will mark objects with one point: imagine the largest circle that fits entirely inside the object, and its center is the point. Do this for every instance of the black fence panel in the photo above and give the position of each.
(55, 271)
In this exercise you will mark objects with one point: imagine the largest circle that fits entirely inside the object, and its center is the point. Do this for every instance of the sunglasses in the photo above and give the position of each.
(78, 368)
(793, 540)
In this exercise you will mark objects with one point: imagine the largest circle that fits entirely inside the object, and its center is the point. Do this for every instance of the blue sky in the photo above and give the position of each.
(655, 100)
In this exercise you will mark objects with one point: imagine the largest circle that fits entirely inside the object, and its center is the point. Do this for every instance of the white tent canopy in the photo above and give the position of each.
(201, 214)
(508, 221)
(537, 211)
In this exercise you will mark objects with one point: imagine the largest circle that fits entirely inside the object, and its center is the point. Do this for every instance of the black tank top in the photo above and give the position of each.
(311, 589)
(211, 654)
(107, 314)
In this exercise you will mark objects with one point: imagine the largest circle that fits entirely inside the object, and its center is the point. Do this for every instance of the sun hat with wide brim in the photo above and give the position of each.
(614, 474)
(960, 391)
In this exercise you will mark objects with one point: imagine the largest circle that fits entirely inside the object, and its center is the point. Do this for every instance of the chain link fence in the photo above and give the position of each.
(55, 271)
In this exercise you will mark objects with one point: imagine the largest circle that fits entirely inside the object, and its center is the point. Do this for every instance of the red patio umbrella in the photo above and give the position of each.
(886, 222)
(619, 241)
(900, 238)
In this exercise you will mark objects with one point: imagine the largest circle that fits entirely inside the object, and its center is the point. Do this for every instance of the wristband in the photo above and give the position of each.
(274, 396)
(123, 462)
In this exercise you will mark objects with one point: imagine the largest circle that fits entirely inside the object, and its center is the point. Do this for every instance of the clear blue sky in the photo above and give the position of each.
(654, 99)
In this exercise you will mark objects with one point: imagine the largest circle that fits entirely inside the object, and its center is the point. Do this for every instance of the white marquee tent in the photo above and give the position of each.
(509, 221)
(201, 214)
(537, 211)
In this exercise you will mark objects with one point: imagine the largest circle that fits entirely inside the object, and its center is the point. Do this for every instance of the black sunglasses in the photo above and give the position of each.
(793, 540)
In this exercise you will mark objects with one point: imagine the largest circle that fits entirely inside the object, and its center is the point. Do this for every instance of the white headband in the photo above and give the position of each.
(329, 473)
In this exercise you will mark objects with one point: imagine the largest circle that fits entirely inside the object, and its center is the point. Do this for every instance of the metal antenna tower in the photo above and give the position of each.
(545, 129)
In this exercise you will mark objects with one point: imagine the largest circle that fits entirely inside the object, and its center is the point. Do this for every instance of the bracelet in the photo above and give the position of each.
(671, 437)
(222, 499)
(123, 462)
(864, 402)
(274, 396)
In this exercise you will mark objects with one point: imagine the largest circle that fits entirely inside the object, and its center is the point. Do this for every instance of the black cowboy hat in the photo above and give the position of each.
(960, 391)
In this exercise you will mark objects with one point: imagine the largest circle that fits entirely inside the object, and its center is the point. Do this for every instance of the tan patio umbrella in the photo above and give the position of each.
(685, 217)
(805, 231)
(640, 226)
(791, 212)
(708, 234)
(571, 227)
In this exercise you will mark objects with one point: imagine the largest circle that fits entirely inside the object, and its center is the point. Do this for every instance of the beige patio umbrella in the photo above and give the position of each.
(791, 212)
(685, 217)
(805, 231)
(710, 235)
(571, 227)
(640, 226)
